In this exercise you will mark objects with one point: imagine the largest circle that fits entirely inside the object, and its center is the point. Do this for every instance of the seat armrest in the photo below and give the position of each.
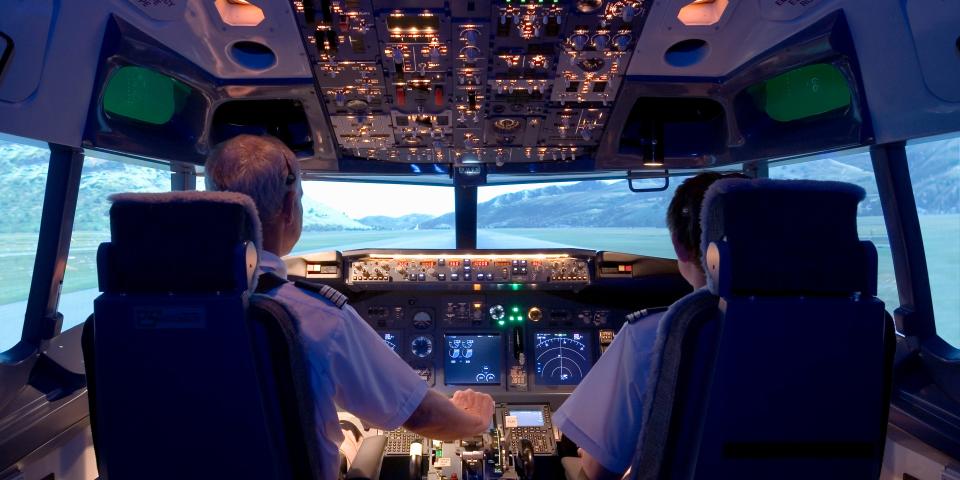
(366, 465)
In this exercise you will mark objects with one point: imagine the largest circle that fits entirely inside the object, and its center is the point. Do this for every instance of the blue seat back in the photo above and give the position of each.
(184, 382)
(781, 367)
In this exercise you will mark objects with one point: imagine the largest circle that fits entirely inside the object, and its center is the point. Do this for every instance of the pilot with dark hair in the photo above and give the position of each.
(350, 365)
(603, 416)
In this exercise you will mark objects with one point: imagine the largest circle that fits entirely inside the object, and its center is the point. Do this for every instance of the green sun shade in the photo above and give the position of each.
(802, 93)
(144, 95)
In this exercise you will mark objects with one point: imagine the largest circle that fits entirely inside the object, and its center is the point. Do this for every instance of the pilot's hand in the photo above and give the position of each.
(477, 404)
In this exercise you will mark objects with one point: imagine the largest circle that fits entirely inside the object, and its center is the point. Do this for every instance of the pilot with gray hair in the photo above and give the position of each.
(350, 365)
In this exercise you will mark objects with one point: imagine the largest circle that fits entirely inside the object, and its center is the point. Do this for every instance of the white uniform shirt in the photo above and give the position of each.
(350, 366)
(604, 415)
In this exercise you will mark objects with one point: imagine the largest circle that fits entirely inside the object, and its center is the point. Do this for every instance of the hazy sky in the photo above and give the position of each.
(359, 200)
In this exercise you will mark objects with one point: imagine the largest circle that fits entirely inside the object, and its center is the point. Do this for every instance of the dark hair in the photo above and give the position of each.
(683, 214)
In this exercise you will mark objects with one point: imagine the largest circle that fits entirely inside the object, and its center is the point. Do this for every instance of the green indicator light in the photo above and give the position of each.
(501, 323)
(515, 286)
(516, 309)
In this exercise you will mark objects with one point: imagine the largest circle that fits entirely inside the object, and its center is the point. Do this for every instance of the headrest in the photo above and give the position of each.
(785, 237)
(180, 242)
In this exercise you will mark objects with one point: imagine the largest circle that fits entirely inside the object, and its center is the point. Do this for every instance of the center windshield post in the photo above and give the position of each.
(465, 203)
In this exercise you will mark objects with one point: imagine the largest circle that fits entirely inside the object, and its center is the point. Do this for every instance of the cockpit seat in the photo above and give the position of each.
(780, 368)
(192, 375)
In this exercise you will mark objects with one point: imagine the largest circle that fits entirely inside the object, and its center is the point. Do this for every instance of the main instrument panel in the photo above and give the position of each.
(525, 326)
(516, 324)
(483, 80)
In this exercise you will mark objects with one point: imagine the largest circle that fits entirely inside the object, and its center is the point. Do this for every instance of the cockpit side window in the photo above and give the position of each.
(91, 226)
(935, 176)
(23, 176)
(855, 168)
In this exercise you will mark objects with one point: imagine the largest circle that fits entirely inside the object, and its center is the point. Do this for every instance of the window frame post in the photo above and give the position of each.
(41, 319)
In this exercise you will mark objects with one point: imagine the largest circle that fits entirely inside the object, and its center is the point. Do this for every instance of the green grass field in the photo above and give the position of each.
(941, 239)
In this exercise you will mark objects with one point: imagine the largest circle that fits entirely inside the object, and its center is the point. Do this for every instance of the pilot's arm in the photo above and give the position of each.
(603, 416)
(376, 385)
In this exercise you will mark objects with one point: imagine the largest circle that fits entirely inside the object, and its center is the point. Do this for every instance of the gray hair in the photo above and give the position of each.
(261, 167)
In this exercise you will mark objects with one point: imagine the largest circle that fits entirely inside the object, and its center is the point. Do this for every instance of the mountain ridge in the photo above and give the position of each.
(934, 167)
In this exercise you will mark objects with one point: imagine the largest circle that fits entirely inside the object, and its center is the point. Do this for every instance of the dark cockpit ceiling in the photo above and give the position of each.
(495, 90)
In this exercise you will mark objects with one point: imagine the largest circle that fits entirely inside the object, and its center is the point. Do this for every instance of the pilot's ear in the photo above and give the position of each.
(289, 206)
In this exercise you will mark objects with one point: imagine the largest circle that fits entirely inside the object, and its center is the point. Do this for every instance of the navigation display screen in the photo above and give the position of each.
(472, 359)
(563, 358)
(528, 418)
(392, 339)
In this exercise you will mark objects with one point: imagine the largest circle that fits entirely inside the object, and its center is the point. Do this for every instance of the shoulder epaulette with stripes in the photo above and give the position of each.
(270, 281)
(646, 312)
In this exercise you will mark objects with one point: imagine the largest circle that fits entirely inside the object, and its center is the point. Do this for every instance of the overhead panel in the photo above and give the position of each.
(500, 82)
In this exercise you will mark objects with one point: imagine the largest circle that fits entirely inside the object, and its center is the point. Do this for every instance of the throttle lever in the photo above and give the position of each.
(524, 463)
(518, 345)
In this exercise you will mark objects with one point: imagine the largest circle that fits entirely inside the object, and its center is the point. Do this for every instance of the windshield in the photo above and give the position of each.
(596, 215)
(345, 216)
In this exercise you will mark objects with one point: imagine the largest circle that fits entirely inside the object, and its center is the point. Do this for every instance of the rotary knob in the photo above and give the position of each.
(497, 312)
(471, 53)
(578, 41)
(471, 37)
(628, 12)
(534, 314)
(621, 42)
(601, 41)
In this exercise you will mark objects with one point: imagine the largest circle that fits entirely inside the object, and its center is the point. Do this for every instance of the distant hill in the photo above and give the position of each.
(582, 204)
(935, 170)
(23, 172)
(320, 217)
(406, 222)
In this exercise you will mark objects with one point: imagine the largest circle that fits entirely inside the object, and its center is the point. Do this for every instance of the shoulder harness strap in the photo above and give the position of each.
(270, 281)
(646, 312)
